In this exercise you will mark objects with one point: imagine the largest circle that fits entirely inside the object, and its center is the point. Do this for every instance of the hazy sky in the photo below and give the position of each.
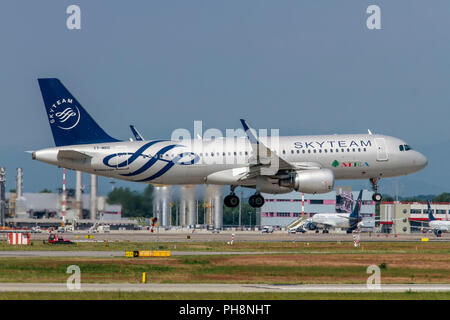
(305, 67)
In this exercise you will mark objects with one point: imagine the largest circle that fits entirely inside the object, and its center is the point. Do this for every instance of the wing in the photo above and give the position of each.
(265, 162)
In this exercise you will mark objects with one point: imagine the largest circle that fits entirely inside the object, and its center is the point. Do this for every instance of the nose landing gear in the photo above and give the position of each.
(377, 197)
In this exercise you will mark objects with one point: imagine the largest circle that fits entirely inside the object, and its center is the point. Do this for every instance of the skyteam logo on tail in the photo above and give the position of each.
(64, 114)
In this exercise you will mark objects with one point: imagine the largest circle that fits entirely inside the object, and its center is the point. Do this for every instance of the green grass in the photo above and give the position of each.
(287, 246)
(204, 269)
(221, 296)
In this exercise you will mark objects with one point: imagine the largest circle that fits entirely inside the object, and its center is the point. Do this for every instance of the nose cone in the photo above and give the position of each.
(420, 161)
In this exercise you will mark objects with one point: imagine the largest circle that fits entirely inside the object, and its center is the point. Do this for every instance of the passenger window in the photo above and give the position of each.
(303, 151)
(309, 151)
(314, 150)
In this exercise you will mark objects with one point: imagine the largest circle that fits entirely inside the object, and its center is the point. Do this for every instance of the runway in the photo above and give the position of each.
(210, 287)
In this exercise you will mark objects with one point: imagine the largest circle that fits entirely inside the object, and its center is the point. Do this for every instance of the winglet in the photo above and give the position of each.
(250, 135)
(136, 133)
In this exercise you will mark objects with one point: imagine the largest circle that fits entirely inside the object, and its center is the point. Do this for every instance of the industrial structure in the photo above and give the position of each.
(406, 217)
(54, 209)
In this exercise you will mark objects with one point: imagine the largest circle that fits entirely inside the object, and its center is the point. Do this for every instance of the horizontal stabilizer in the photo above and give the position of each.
(73, 155)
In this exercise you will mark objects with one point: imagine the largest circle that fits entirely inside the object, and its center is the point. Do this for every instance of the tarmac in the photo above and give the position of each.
(211, 287)
(225, 236)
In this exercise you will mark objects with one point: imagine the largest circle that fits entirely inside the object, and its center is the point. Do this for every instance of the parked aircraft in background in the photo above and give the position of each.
(435, 225)
(333, 220)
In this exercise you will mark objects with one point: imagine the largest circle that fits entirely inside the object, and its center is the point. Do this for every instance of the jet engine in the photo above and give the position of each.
(310, 226)
(310, 181)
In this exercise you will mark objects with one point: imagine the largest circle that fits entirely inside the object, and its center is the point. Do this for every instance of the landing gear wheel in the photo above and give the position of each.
(325, 231)
(256, 200)
(231, 201)
(377, 197)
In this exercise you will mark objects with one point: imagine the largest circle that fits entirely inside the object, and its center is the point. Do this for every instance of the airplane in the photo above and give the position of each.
(275, 165)
(349, 221)
(437, 226)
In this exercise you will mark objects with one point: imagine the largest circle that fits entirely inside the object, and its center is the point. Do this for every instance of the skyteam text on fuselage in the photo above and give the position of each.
(274, 165)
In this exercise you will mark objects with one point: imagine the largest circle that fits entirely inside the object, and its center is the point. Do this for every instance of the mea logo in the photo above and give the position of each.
(350, 164)
(65, 115)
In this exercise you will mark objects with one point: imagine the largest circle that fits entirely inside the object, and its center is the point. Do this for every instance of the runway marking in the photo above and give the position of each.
(209, 287)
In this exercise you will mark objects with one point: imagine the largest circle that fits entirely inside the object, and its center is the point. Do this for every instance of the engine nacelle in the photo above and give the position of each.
(310, 181)
(310, 226)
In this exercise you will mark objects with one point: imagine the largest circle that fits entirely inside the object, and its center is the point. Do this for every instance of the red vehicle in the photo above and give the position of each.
(55, 239)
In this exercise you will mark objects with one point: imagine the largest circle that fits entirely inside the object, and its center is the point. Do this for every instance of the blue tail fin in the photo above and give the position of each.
(70, 123)
(357, 207)
(430, 212)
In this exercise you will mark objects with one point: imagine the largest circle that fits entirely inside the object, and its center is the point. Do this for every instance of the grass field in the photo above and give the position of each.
(221, 296)
(294, 246)
(283, 263)
(271, 269)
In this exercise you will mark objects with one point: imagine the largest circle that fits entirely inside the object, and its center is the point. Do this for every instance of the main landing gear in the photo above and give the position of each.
(377, 197)
(232, 201)
(256, 200)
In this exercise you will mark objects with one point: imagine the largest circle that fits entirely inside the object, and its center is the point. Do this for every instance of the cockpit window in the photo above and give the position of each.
(404, 147)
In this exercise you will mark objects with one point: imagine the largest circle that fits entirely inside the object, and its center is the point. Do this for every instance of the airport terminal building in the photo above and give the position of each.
(408, 217)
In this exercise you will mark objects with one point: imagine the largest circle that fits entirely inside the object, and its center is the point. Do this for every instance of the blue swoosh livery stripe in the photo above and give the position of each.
(154, 159)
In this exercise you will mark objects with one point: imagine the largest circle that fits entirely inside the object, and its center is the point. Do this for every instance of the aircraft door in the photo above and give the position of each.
(382, 154)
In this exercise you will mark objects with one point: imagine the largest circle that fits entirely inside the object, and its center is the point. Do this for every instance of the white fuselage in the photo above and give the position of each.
(226, 161)
(333, 220)
(444, 226)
